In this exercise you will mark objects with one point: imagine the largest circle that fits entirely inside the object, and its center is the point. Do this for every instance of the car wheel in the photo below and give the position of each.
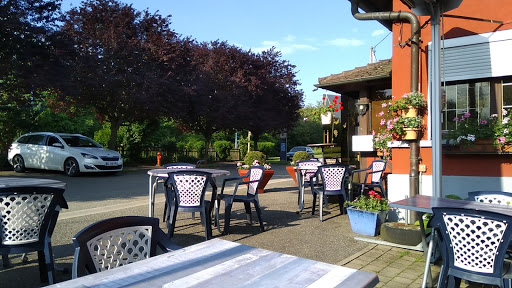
(18, 164)
(71, 167)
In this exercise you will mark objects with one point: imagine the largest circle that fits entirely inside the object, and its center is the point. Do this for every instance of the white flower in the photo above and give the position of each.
(504, 112)
(505, 120)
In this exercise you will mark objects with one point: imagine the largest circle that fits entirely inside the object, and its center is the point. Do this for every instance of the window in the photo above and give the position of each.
(507, 94)
(467, 96)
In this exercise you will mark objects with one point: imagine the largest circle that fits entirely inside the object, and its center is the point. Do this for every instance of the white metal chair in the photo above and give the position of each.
(473, 246)
(491, 197)
(176, 165)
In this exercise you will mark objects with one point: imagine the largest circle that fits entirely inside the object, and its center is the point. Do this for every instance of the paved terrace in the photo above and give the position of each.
(287, 231)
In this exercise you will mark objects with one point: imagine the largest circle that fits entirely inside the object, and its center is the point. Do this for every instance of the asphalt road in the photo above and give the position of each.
(94, 197)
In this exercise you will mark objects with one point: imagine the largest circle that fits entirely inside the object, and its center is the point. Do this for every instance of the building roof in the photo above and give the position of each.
(372, 71)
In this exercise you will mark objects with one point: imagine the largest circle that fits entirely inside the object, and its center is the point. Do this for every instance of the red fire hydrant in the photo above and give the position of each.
(158, 158)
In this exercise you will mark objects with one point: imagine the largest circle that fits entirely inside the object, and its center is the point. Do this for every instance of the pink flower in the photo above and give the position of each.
(456, 119)
(384, 105)
(467, 114)
(371, 192)
(501, 139)
(381, 113)
(382, 121)
(482, 122)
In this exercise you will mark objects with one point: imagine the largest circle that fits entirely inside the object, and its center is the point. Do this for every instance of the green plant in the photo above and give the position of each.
(503, 129)
(373, 202)
(254, 158)
(380, 141)
(300, 156)
(267, 148)
(412, 99)
(469, 128)
(222, 148)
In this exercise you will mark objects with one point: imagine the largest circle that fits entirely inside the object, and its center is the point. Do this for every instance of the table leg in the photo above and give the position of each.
(427, 275)
(151, 197)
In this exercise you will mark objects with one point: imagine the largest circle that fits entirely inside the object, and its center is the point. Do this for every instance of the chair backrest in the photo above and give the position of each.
(114, 242)
(189, 187)
(179, 166)
(377, 170)
(473, 241)
(255, 175)
(333, 177)
(308, 168)
(28, 215)
(492, 197)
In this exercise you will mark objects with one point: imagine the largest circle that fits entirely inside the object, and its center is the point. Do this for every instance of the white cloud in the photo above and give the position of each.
(288, 46)
(378, 32)
(343, 42)
(290, 38)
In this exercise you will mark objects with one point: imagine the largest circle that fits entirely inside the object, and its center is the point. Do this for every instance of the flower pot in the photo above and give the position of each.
(293, 174)
(410, 112)
(481, 145)
(267, 174)
(411, 134)
(366, 222)
(326, 118)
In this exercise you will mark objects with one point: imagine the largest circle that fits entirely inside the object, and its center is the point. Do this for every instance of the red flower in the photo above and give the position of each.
(330, 106)
(336, 97)
(335, 109)
(378, 197)
(341, 107)
(334, 101)
(341, 103)
(323, 98)
(371, 192)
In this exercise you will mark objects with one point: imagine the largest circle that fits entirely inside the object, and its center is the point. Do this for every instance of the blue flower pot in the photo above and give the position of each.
(366, 222)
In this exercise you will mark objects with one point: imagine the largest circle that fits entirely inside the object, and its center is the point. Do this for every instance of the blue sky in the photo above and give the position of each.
(319, 37)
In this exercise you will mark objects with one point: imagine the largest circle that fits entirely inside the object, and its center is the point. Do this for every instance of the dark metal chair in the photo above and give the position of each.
(115, 242)
(373, 177)
(473, 246)
(185, 192)
(329, 180)
(28, 218)
(176, 165)
(253, 176)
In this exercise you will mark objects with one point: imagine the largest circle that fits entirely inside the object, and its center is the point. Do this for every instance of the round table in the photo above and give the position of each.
(156, 174)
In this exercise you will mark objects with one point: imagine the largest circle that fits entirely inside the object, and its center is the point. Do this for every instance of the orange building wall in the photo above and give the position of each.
(460, 164)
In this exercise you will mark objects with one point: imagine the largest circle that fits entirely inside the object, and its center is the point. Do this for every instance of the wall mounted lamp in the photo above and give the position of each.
(361, 108)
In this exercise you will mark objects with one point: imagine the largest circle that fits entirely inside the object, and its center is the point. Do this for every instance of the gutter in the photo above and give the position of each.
(415, 31)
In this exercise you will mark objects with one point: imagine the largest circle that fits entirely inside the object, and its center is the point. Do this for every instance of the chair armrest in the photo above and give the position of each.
(229, 179)
(360, 170)
(164, 242)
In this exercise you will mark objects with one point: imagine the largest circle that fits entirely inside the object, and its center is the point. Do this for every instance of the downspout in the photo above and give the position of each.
(415, 31)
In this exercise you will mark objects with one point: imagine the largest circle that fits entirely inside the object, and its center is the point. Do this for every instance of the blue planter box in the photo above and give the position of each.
(366, 222)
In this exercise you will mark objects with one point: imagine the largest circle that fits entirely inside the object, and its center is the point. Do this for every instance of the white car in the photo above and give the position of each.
(71, 153)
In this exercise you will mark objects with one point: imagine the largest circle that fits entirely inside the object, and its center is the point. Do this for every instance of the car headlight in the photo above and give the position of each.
(89, 156)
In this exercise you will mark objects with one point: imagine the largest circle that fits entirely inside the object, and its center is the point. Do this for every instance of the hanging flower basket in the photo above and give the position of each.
(326, 118)
(411, 134)
(410, 112)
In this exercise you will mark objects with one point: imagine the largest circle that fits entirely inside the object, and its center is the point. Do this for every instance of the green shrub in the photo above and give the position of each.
(255, 155)
(267, 148)
(299, 156)
(222, 148)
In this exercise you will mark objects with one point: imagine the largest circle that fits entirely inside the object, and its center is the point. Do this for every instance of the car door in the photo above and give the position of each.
(33, 150)
(55, 153)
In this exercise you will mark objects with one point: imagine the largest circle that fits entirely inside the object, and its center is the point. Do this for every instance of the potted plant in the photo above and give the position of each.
(367, 213)
(256, 158)
(503, 131)
(409, 104)
(298, 156)
(380, 143)
(476, 135)
(326, 111)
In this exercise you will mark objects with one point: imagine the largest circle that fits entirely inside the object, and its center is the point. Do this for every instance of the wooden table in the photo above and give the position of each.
(322, 145)
(156, 174)
(221, 263)
(423, 204)
(25, 181)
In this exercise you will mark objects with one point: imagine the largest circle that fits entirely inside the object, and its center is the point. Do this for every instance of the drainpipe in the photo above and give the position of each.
(415, 31)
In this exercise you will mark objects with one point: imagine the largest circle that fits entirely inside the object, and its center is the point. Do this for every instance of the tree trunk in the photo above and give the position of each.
(256, 138)
(114, 128)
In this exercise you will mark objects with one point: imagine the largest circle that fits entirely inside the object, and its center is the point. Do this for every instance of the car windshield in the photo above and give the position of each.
(294, 149)
(79, 141)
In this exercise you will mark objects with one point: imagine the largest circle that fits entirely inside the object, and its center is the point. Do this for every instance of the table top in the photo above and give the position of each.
(163, 172)
(321, 144)
(221, 263)
(25, 181)
(424, 204)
